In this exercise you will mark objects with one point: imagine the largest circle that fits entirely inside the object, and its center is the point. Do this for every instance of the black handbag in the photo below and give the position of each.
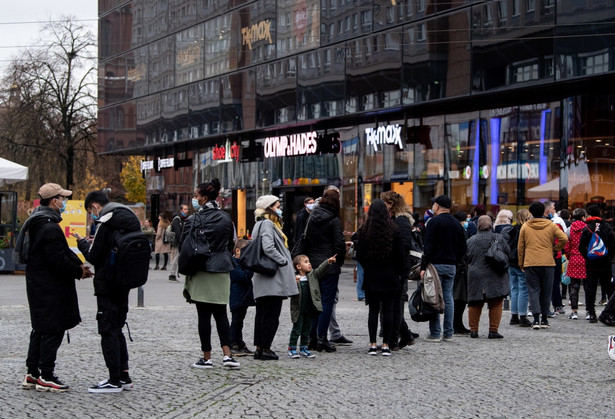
(195, 250)
(496, 257)
(254, 259)
(419, 310)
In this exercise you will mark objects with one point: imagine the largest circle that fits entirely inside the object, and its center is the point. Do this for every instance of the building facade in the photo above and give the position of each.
(497, 102)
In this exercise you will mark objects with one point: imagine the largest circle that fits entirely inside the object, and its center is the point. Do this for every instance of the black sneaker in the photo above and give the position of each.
(237, 350)
(126, 384)
(229, 362)
(52, 384)
(106, 387)
(202, 363)
(386, 352)
(544, 324)
(373, 350)
(536, 324)
(342, 340)
(29, 382)
(524, 322)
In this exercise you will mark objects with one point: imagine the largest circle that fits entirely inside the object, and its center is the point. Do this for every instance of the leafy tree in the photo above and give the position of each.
(133, 180)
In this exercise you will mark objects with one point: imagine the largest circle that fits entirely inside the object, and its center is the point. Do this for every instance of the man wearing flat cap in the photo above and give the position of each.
(50, 284)
(445, 246)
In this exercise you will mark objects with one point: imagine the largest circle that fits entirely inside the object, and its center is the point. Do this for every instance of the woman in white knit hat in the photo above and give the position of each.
(270, 291)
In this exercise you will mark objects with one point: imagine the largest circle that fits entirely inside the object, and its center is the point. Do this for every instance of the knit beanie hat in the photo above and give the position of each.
(265, 201)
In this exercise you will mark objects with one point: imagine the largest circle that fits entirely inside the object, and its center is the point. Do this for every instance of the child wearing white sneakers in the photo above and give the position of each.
(307, 304)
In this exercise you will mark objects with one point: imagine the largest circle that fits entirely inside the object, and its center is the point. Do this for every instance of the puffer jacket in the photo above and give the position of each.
(50, 275)
(325, 238)
(113, 217)
(576, 261)
(219, 233)
(605, 231)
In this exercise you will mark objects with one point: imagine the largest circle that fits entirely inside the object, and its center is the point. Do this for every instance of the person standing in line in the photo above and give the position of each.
(111, 300)
(162, 247)
(598, 270)
(576, 262)
(177, 224)
(241, 299)
(271, 291)
(400, 214)
(518, 285)
(381, 253)
(149, 232)
(444, 247)
(325, 237)
(485, 284)
(210, 287)
(535, 249)
(556, 296)
(566, 216)
(302, 217)
(50, 285)
(460, 285)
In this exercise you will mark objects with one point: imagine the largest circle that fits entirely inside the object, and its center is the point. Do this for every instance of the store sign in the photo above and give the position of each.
(518, 171)
(226, 153)
(304, 144)
(390, 134)
(160, 164)
(260, 31)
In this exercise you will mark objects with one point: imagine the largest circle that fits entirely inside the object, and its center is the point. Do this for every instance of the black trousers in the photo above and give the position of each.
(267, 320)
(205, 311)
(381, 301)
(595, 277)
(111, 318)
(42, 353)
(238, 315)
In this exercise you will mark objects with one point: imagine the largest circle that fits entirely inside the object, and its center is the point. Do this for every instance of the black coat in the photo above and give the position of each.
(177, 225)
(608, 238)
(113, 217)
(241, 287)
(325, 238)
(219, 233)
(382, 275)
(302, 217)
(50, 275)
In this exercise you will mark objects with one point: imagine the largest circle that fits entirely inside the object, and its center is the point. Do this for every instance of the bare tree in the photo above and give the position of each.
(50, 110)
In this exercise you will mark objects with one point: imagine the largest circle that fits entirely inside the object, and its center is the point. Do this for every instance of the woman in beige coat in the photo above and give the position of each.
(160, 246)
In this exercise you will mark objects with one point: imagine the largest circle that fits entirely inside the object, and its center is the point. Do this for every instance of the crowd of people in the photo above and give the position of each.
(390, 243)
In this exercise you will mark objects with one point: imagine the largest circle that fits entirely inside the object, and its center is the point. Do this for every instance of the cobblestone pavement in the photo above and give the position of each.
(561, 372)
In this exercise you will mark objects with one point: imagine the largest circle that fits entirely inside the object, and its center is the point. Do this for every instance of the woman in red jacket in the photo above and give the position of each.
(576, 261)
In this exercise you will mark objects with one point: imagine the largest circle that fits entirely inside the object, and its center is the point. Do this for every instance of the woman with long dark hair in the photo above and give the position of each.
(209, 288)
(381, 253)
(325, 237)
(271, 291)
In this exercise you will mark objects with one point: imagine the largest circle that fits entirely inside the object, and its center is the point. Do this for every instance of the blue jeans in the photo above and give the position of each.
(360, 292)
(447, 278)
(518, 291)
(328, 291)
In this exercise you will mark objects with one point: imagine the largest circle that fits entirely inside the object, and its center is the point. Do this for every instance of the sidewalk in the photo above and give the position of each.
(564, 371)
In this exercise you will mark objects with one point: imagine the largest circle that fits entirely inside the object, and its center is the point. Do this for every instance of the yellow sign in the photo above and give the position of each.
(74, 220)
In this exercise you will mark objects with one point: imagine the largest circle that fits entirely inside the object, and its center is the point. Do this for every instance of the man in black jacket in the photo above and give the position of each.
(112, 300)
(302, 217)
(177, 225)
(599, 269)
(445, 246)
(50, 285)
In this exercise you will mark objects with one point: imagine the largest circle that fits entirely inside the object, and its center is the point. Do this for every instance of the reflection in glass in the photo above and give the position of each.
(219, 46)
(162, 64)
(339, 23)
(298, 26)
(189, 55)
(276, 92)
(204, 102)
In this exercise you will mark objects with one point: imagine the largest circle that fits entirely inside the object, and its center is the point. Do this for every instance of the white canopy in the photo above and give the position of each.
(11, 172)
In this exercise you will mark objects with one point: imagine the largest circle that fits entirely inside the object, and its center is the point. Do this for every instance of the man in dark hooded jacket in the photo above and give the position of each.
(50, 285)
(112, 300)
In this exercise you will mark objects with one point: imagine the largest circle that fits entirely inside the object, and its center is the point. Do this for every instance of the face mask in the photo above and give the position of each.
(465, 225)
(195, 204)
(63, 207)
(94, 216)
(183, 214)
(279, 212)
(550, 216)
(310, 207)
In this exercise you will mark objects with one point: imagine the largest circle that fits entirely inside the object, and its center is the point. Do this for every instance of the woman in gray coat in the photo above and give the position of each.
(270, 291)
(484, 283)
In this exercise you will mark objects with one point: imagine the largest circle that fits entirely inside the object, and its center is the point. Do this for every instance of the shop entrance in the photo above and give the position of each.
(292, 202)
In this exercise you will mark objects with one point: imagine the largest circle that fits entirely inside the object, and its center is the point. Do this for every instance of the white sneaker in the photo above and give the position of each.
(202, 363)
(229, 362)
(573, 316)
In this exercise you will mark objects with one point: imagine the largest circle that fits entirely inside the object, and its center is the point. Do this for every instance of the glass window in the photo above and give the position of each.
(219, 45)
(257, 33)
(301, 26)
(333, 19)
(136, 73)
(182, 13)
(189, 62)
(155, 19)
(112, 81)
(427, 144)
(115, 32)
(276, 94)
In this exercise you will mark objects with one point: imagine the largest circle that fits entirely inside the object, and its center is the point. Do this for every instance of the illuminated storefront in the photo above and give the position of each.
(494, 102)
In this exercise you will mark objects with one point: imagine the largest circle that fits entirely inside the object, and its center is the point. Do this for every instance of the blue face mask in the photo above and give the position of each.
(63, 207)
(550, 216)
(465, 225)
(279, 212)
(195, 204)
(183, 214)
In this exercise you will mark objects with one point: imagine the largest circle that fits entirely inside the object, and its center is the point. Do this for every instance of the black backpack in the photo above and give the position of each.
(419, 310)
(130, 255)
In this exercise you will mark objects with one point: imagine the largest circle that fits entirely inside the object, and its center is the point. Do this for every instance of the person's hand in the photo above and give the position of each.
(332, 259)
(85, 272)
(297, 278)
(422, 274)
(78, 237)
